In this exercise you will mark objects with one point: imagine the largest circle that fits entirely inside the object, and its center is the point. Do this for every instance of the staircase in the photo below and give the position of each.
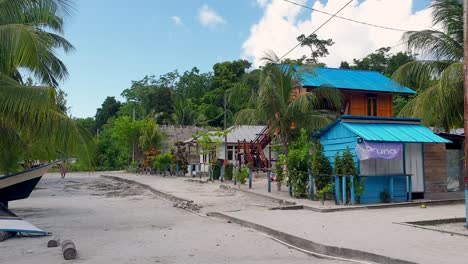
(253, 151)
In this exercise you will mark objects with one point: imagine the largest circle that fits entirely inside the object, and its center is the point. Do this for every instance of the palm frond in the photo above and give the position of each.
(435, 44)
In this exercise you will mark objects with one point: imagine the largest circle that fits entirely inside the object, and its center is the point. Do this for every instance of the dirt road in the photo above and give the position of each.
(113, 222)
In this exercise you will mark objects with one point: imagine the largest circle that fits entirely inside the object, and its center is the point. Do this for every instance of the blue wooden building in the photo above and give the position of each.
(388, 151)
(398, 171)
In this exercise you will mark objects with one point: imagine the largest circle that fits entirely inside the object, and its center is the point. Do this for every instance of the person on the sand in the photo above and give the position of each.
(63, 170)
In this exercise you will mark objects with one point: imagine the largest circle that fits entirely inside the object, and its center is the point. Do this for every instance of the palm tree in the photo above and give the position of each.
(439, 79)
(30, 34)
(284, 106)
(31, 125)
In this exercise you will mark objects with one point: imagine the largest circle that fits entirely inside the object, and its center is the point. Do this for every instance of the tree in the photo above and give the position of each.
(318, 47)
(31, 35)
(108, 109)
(380, 61)
(298, 162)
(284, 106)
(183, 111)
(439, 80)
(31, 126)
(156, 96)
(320, 167)
(87, 123)
(151, 141)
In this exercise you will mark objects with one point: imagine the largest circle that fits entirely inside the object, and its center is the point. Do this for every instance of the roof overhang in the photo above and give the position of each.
(386, 129)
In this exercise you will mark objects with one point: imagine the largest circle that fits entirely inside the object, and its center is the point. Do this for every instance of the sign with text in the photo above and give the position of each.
(376, 150)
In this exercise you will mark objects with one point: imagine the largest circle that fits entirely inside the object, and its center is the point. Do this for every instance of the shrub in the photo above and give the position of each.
(322, 193)
(321, 166)
(279, 169)
(180, 157)
(162, 161)
(216, 167)
(228, 171)
(298, 165)
(345, 165)
(242, 174)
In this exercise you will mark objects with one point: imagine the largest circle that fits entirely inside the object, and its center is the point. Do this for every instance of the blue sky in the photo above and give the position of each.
(120, 41)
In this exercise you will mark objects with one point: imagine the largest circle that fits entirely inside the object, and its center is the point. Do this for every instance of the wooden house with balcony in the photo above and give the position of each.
(394, 155)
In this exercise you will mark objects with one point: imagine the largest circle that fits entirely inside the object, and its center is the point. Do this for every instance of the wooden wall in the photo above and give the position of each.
(435, 167)
(358, 103)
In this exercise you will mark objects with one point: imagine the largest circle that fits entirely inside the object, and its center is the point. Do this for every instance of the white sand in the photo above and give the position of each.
(112, 222)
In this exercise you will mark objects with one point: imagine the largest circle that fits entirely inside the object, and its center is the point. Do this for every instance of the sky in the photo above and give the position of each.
(120, 41)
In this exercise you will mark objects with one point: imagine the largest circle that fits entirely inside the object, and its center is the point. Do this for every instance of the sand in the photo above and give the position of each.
(114, 222)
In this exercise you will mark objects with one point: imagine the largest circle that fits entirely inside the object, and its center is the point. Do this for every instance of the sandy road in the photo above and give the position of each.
(113, 222)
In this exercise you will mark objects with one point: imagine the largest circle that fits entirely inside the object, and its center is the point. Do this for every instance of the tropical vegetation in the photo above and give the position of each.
(439, 77)
(32, 124)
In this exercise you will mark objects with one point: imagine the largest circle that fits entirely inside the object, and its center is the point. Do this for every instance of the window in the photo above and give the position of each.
(372, 105)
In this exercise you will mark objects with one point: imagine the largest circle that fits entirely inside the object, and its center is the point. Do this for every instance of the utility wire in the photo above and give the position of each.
(345, 18)
(323, 24)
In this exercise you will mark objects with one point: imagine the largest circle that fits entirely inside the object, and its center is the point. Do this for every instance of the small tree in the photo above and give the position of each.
(279, 170)
(346, 166)
(242, 174)
(229, 168)
(162, 161)
(180, 156)
(298, 164)
(320, 167)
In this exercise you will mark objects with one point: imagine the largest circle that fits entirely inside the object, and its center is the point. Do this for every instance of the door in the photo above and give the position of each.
(414, 165)
(454, 169)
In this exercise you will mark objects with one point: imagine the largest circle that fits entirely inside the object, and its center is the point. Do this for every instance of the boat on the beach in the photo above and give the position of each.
(20, 185)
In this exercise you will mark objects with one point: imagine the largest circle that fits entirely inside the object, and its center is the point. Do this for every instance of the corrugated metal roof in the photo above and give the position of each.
(244, 132)
(239, 133)
(352, 80)
(394, 132)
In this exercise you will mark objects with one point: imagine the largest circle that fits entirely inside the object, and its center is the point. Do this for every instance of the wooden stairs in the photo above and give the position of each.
(253, 151)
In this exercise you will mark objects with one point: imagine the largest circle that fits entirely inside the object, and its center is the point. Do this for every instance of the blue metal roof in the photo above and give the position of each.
(395, 132)
(351, 79)
(387, 129)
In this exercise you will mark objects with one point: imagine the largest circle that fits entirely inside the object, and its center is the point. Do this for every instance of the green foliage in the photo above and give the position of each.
(242, 175)
(284, 107)
(229, 170)
(216, 167)
(280, 175)
(320, 167)
(162, 161)
(180, 156)
(33, 124)
(318, 47)
(210, 141)
(323, 192)
(345, 165)
(298, 164)
(380, 61)
(108, 109)
(439, 81)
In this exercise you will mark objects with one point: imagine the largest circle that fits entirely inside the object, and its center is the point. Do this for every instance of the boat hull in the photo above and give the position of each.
(20, 185)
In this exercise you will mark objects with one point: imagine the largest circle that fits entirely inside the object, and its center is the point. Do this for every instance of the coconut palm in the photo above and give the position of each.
(439, 79)
(284, 106)
(31, 125)
(30, 35)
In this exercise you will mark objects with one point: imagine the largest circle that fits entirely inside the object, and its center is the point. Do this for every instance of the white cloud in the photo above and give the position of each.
(209, 18)
(282, 22)
(177, 20)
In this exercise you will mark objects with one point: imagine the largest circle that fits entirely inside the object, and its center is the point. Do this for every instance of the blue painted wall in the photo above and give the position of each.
(338, 138)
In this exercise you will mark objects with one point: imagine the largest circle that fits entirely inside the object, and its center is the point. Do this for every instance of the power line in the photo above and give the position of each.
(323, 24)
(348, 19)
